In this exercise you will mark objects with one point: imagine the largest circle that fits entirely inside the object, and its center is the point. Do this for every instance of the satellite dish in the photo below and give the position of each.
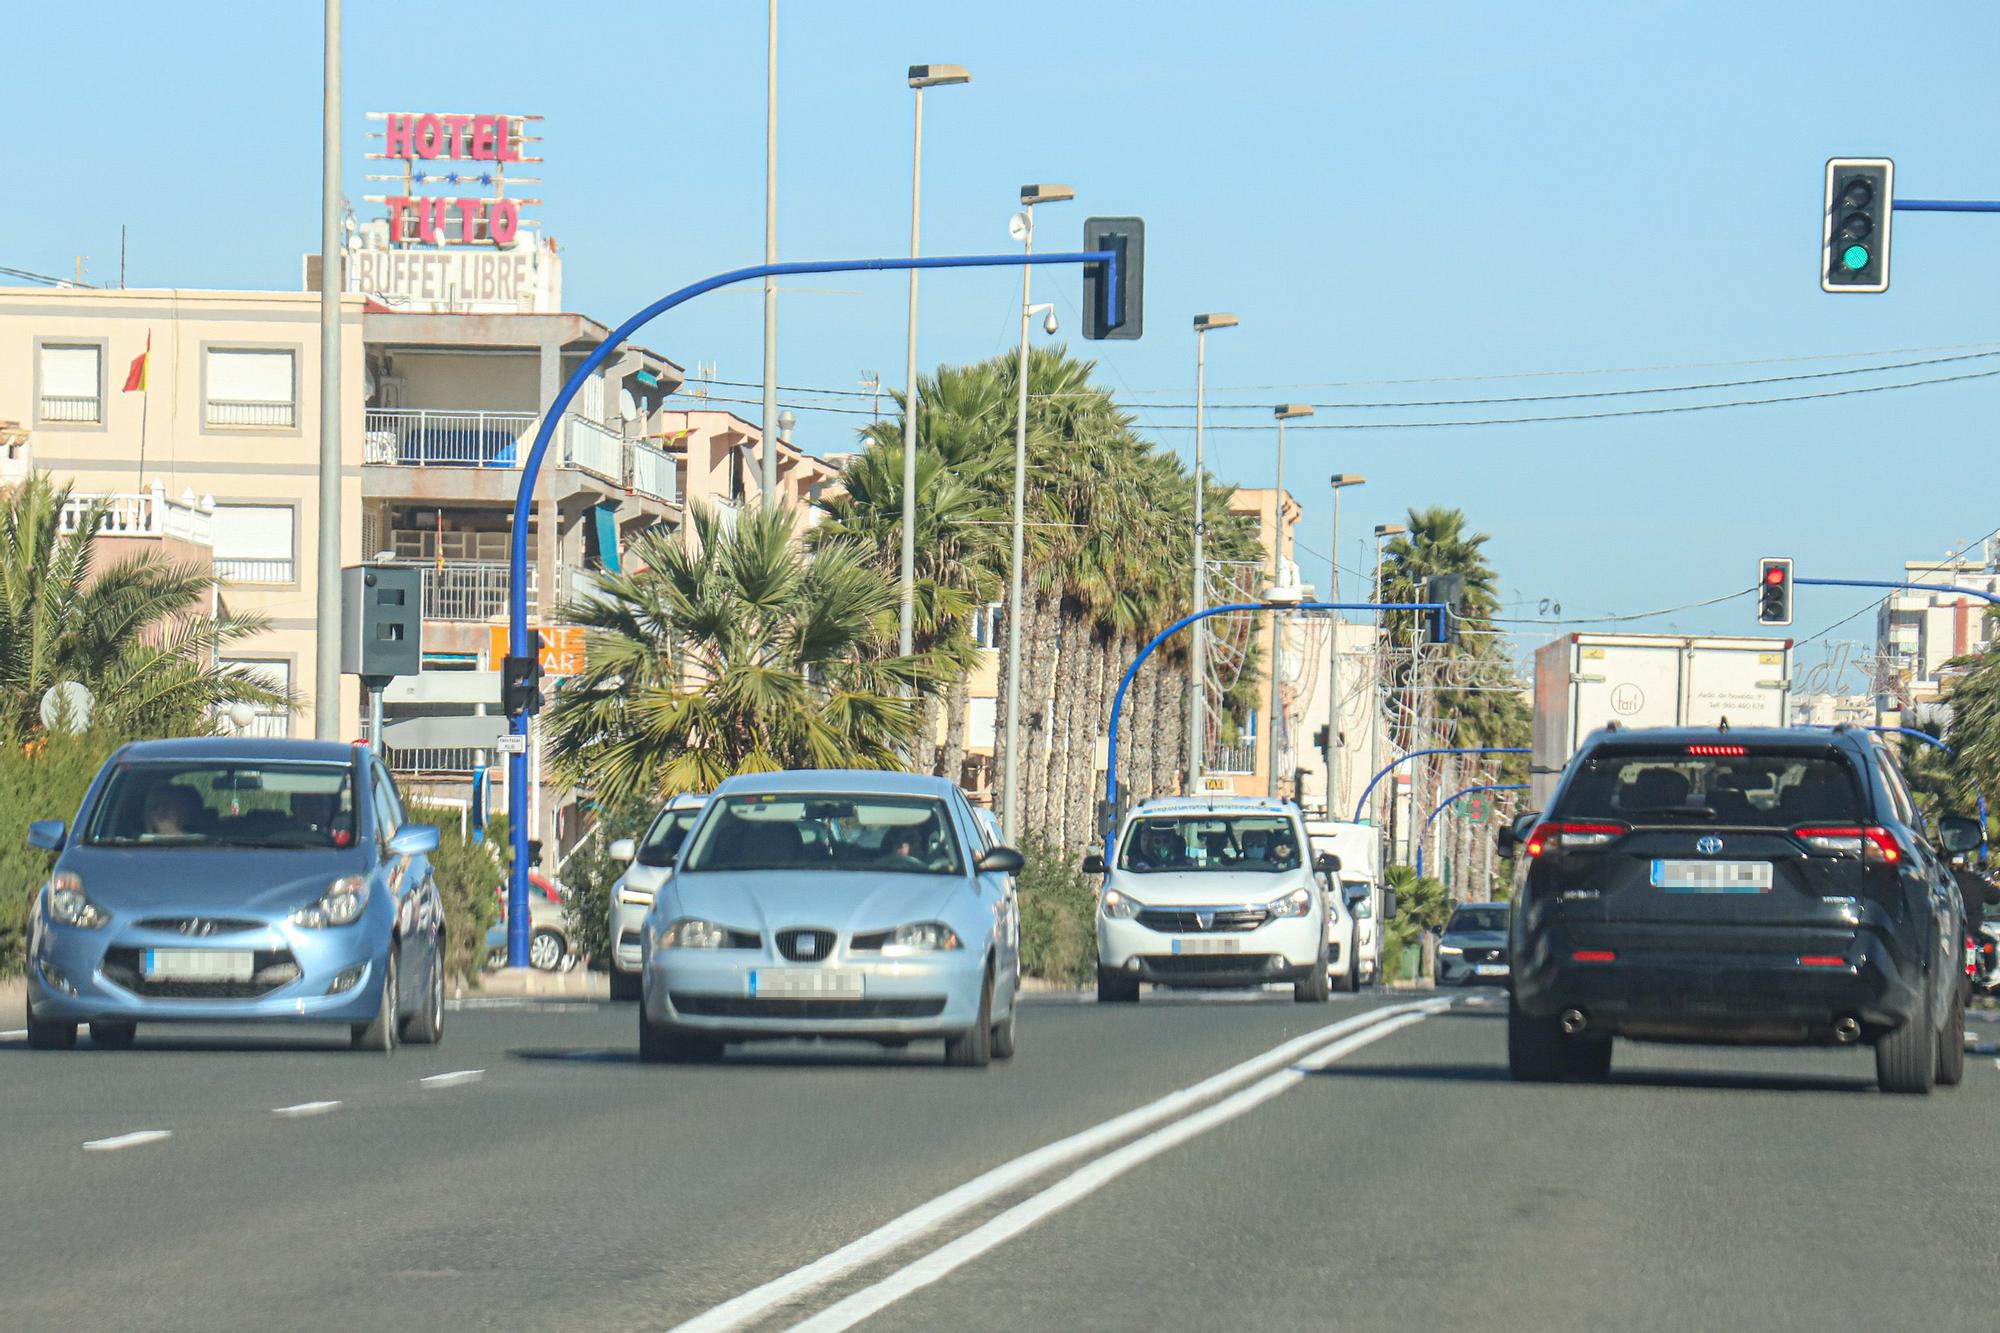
(1017, 226)
(68, 702)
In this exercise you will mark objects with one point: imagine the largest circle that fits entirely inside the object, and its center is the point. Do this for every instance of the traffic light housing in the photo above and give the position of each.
(521, 685)
(1114, 305)
(1320, 738)
(1854, 242)
(1774, 591)
(1448, 589)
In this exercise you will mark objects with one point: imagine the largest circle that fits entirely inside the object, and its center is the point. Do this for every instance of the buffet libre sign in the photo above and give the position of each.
(491, 141)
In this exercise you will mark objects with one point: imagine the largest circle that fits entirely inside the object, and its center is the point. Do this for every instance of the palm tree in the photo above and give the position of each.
(745, 655)
(138, 634)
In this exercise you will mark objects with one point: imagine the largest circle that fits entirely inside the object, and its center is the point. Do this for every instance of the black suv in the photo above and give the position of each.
(1772, 886)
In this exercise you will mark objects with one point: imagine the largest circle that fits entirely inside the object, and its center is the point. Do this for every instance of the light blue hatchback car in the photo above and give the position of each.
(237, 880)
(834, 904)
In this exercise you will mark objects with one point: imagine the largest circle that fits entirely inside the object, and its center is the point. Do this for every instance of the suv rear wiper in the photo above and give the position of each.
(1680, 811)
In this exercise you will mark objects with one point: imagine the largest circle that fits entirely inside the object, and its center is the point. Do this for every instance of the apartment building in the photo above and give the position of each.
(214, 460)
(1917, 633)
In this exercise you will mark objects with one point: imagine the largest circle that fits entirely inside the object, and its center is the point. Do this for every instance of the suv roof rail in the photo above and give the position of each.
(1612, 725)
(1840, 728)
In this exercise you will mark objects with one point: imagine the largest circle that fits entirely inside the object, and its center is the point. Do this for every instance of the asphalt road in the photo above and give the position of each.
(1199, 1163)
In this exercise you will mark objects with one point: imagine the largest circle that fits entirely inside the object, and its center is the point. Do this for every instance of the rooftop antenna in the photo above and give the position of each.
(871, 383)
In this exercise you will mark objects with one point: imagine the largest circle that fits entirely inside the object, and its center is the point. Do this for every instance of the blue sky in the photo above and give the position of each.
(1381, 192)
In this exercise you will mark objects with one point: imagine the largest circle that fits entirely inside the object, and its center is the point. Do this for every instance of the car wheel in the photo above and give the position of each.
(47, 1035)
(974, 1048)
(426, 1026)
(1116, 987)
(1312, 985)
(379, 1033)
(1351, 983)
(545, 950)
(661, 1045)
(1951, 1043)
(1906, 1060)
(1586, 1057)
(1534, 1048)
(626, 987)
(113, 1036)
(1003, 1031)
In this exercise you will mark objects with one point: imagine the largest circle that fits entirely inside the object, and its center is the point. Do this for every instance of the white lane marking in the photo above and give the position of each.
(1083, 1181)
(132, 1140)
(891, 1235)
(306, 1108)
(10, 1036)
(451, 1080)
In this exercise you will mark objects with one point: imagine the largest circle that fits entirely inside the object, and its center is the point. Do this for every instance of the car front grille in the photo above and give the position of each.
(201, 927)
(1189, 920)
(743, 1006)
(1207, 964)
(275, 968)
(1485, 955)
(805, 946)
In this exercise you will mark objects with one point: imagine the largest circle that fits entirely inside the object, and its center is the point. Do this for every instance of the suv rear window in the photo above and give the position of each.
(1757, 788)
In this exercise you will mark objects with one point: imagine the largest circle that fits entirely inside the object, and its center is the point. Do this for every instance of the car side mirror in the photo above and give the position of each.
(47, 834)
(414, 840)
(1093, 864)
(1388, 904)
(1001, 861)
(1326, 863)
(623, 850)
(1957, 832)
(1508, 840)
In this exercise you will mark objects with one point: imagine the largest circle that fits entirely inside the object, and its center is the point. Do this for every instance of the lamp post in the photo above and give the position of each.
(1383, 531)
(1341, 481)
(1010, 804)
(1275, 720)
(326, 669)
(921, 77)
(1198, 668)
(767, 423)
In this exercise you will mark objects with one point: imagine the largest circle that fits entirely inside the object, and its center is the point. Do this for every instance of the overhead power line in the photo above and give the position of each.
(1616, 620)
(1866, 607)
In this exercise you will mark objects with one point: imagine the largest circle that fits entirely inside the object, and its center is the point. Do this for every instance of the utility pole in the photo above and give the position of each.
(1341, 481)
(1198, 667)
(1283, 412)
(768, 423)
(326, 653)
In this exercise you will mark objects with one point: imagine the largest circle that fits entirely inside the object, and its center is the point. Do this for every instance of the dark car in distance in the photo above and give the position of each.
(1773, 886)
(1473, 949)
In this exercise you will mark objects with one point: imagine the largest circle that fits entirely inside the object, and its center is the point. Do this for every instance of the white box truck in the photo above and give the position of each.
(1354, 917)
(1585, 681)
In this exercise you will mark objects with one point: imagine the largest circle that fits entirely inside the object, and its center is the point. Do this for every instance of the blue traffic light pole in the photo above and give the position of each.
(1125, 682)
(1457, 796)
(1895, 586)
(517, 592)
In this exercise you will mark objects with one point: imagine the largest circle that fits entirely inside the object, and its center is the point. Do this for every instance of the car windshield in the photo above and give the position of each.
(664, 839)
(225, 803)
(1210, 842)
(899, 834)
(1478, 918)
(1742, 787)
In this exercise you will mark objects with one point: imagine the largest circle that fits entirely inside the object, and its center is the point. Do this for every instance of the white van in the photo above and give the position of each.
(1354, 922)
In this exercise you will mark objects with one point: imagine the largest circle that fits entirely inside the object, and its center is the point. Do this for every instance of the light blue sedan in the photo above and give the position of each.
(235, 881)
(834, 904)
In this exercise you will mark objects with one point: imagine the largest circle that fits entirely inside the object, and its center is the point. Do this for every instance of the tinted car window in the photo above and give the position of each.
(1756, 788)
(1478, 918)
(1184, 843)
(906, 834)
(664, 839)
(223, 803)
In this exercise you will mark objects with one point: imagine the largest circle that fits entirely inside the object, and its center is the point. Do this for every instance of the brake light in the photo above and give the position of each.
(1572, 837)
(1876, 846)
(1719, 751)
(1821, 960)
(1594, 956)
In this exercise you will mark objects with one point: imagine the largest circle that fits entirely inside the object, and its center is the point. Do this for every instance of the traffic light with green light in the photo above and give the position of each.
(1774, 591)
(1854, 242)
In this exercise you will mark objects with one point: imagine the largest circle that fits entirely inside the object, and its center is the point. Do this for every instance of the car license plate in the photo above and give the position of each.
(1712, 876)
(1489, 970)
(199, 964)
(765, 983)
(1208, 945)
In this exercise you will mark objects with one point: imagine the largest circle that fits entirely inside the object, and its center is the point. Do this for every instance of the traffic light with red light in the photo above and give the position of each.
(1774, 591)
(1854, 242)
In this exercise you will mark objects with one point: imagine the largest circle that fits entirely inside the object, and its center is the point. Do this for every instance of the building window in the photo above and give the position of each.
(255, 388)
(254, 543)
(988, 623)
(274, 674)
(72, 383)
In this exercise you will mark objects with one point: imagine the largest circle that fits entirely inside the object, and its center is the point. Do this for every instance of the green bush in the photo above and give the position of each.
(468, 878)
(589, 876)
(1058, 916)
(43, 780)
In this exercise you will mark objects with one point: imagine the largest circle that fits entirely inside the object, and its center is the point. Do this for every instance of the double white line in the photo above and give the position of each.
(1185, 1114)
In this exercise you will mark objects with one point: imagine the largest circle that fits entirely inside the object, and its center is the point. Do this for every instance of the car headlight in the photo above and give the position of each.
(1452, 949)
(341, 905)
(921, 937)
(693, 933)
(631, 896)
(1121, 906)
(68, 906)
(1299, 902)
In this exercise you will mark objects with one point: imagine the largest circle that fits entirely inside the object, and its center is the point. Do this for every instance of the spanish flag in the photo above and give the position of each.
(135, 378)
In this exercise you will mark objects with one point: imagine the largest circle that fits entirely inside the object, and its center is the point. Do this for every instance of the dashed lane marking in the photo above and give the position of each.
(132, 1140)
(306, 1108)
(451, 1080)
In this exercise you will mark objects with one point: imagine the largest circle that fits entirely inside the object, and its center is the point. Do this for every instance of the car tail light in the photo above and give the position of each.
(1821, 960)
(1877, 846)
(1572, 837)
(1594, 956)
(1719, 751)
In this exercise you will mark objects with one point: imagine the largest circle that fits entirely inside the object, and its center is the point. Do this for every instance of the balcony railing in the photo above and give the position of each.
(459, 759)
(595, 449)
(653, 472)
(233, 569)
(63, 407)
(147, 513)
(241, 412)
(1238, 758)
(428, 437)
(472, 590)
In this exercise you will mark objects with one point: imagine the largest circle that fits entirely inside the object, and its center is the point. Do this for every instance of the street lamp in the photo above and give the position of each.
(1024, 230)
(1198, 671)
(1283, 412)
(921, 77)
(1341, 480)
